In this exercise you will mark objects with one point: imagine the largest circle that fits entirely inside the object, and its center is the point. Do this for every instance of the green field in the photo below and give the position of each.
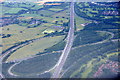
(46, 13)
(34, 48)
(30, 15)
(96, 12)
(37, 65)
(87, 59)
(27, 33)
(34, 37)
(14, 10)
(36, 7)
(90, 65)
(20, 32)
(55, 9)
(80, 21)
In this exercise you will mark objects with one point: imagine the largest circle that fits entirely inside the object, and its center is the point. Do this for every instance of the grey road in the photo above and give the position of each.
(70, 38)
(17, 47)
(13, 49)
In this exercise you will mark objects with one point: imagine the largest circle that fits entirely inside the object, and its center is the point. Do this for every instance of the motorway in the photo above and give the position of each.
(70, 38)
(66, 50)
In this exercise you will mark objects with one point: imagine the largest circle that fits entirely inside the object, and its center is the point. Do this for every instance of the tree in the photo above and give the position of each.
(8, 29)
(41, 15)
(56, 22)
(57, 17)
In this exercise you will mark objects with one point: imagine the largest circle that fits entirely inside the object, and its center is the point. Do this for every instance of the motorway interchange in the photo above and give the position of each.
(57, 69)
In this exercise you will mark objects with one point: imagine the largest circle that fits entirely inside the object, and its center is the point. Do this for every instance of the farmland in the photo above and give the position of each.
(35, 48)
(96, 54)
(24, 28)
(34, 37)
(85, 63)
(15, 31)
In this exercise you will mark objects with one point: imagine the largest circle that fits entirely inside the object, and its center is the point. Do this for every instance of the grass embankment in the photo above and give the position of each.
(89, 66)
(35, 48)
(82, 61)
(79, 22)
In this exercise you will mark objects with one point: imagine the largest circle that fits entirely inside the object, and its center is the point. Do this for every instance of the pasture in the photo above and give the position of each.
(80, 21)
(34, 48)
(20, 34)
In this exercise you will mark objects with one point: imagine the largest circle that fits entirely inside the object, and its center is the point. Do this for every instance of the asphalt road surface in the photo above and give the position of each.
(68, 46)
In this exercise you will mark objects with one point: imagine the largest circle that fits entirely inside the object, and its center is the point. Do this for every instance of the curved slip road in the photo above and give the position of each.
(114, 40)
(70, 38)
(17, 47)
(13, 49)
(51, 69)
